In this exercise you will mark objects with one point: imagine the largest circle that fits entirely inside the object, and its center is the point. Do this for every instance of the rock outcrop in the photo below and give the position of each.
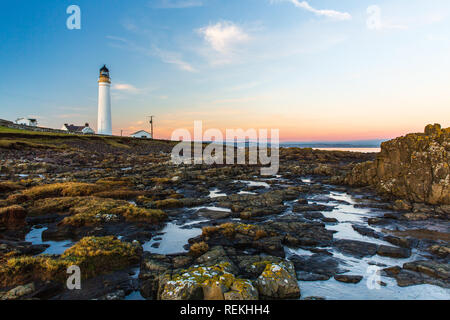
(414, 167)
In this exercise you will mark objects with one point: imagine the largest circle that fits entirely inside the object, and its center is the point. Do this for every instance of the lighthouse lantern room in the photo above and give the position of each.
(104, 102)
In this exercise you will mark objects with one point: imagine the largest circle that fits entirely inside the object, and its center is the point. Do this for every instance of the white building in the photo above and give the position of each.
(104, 103)
(78, 129)
(27, 122)
(142, 134)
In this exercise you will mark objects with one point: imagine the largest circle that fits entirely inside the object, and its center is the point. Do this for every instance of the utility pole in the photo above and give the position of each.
(151, 126)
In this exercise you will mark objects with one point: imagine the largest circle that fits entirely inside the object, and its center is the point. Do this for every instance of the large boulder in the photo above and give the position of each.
(214, 282)
(278, 281)
(414, 167)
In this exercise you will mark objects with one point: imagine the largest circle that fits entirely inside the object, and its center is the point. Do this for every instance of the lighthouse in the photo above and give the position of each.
(104, 102)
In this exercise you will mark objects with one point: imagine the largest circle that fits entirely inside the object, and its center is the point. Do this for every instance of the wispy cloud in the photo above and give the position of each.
(173, 58)
(169, 57)
(125, 87)
(333, 14)
(375, 20)
(176, 4)
(223, 36)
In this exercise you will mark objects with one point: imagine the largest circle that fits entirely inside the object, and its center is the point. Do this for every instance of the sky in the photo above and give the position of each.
(317, 70)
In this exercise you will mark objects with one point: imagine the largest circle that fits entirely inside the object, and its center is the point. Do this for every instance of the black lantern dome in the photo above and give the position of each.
(104, 71)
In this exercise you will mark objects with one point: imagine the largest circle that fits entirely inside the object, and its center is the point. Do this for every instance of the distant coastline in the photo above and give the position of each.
(352, 146)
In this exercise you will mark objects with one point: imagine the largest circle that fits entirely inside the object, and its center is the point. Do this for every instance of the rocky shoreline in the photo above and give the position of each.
(140, 227)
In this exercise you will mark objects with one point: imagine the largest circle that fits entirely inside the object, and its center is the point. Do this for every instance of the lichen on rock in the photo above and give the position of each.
(415, 167)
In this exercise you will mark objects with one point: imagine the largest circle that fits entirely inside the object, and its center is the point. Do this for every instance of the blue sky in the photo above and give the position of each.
(317, 70)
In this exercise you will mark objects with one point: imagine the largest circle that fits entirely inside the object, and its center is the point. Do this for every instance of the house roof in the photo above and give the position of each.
(140, 131)
(73, 128)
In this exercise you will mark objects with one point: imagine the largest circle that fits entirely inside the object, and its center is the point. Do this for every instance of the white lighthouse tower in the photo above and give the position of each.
(104, 102)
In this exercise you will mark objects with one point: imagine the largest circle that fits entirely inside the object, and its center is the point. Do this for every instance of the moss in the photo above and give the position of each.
(13, 216)
(259, 234)
(199, 248)
(54, 205)
(217, 275)
(94, 256)
(161, 180)
(123, 194)
(205, 275)
(274, 271)
(94, 211)
(230, 229)
(68, 189)
(115, 182)
(168, 203)
(9, 186)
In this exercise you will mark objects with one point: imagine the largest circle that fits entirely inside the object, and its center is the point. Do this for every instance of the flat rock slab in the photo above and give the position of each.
(356, 248)
(316, 267)
(393, 252)
(420, 272)
(366, 231)
(348, 278)
(213, 214)
(298, 207)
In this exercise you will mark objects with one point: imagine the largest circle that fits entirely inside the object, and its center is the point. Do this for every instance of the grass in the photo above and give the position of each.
(116, 141)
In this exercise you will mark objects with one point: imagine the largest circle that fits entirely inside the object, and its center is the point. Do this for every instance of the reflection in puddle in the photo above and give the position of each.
(365, 290)
(211, 208)
(346, 231)
(342, 197)
(347, 215)
(216, 193)
(254, 183)
(56, 247)
(247, 192)
(173, 240)
(135, 295)
(335, 290)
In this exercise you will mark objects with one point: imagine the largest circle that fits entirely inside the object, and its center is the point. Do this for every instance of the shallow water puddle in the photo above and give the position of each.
(346, 231)
(173, 240)
(348, 215)
(56, 247)
(335, 290)
(135, 295)
(366, 289)
(254, 183)
(247, 192)
(215, 193)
